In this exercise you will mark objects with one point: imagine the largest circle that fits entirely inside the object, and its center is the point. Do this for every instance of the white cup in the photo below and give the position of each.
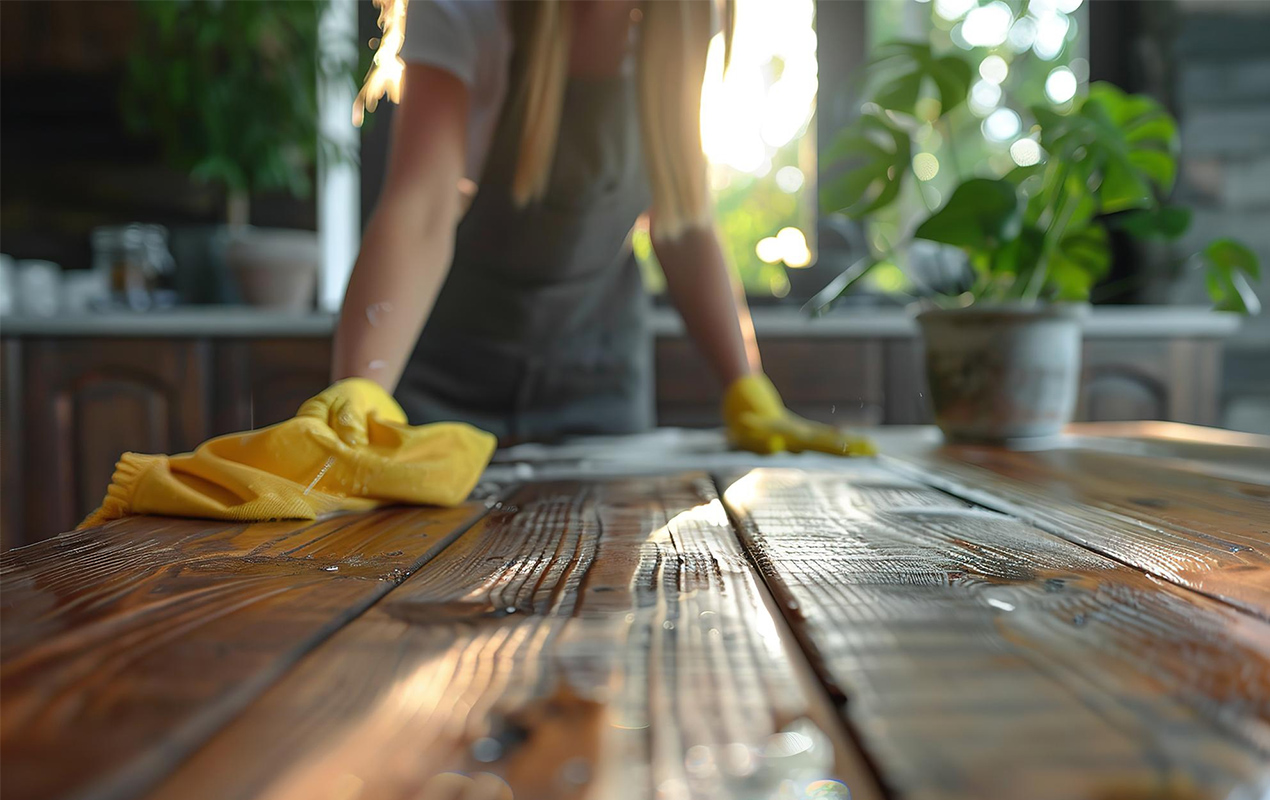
(39, 288)
(7, 288)
(83, 290)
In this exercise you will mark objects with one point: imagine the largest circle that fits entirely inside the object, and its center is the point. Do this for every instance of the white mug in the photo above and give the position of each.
(39, 288)
(7, 288)
(83, 290)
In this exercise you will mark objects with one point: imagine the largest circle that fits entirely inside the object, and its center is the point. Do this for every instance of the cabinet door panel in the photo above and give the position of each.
(1124, 380)
(12, 478)
(89, 401)
(837, 381)
(261, 382)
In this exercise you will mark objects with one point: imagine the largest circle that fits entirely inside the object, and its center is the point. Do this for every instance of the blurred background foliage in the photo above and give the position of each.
(758, 130)
(229, 90)
(1025, 53)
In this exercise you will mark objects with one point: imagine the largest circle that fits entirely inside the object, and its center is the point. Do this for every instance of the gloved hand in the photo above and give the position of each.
(758, 421)
(346, 405)
(302, 468)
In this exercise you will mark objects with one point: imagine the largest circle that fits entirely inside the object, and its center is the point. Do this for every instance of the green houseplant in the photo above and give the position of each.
(1003, 346)
(230, 91)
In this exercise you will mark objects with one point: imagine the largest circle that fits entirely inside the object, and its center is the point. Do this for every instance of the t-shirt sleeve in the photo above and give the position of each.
(453, 35)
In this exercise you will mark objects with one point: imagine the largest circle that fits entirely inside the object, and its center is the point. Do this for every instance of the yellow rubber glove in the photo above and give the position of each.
(758, 421)
(346, 406)
(305, 467)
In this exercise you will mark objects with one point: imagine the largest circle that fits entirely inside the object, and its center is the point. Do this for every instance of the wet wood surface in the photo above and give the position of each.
(1196, 513)
(125, 646)
(980, 657)
(1082, 621)
(599, 639)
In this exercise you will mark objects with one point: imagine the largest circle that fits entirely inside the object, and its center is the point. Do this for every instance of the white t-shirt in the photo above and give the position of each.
(472, 40)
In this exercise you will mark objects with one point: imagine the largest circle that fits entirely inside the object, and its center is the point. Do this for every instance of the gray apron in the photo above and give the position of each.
(541, 328)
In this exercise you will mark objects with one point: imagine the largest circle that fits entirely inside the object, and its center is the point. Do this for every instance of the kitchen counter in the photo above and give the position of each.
(76, 392)
(1113, 322)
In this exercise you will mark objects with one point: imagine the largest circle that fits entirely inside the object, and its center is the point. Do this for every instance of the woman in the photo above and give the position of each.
(496, 283)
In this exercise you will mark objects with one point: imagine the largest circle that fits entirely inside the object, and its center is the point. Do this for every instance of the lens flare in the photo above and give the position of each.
(387, 68)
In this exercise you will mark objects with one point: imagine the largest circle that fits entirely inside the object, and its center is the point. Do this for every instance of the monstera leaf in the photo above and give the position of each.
(1228, 265)
(876, 155)
(1123, 147)
(1165, 222)
(981, 215)
(1081, 259)
(907, 68)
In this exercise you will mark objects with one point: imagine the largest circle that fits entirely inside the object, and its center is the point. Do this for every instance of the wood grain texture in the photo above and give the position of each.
(602, 639)
(125, 646)
(1178, 522)
(982, 658)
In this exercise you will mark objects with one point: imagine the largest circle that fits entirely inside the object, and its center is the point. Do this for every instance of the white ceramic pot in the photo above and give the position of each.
(275, 268)
(1003, 372)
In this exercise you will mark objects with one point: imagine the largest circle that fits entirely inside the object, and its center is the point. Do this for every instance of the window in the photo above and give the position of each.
(1026, 52)
(757, 127)
(758, 123)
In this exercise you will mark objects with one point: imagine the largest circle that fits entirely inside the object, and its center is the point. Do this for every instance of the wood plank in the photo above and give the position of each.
(1204, 531)
(982, 658)
(606, 638)
(125, 646)
(1193, 447)
(1172, 432)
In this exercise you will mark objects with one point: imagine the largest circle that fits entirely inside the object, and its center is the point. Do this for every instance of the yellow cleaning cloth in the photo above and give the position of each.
(758, 421)
(348, 449)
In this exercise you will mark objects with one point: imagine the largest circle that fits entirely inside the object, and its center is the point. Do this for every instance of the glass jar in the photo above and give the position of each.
(136, 263)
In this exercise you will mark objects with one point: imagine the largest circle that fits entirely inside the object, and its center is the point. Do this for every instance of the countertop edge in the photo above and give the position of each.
(1109, 322)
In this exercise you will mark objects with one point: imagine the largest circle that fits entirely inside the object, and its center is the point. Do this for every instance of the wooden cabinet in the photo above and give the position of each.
(69, 405)
(1172, 380)
(1122, 379)
(260, 382)
(12, 446)
(832, 380)
(86, 401)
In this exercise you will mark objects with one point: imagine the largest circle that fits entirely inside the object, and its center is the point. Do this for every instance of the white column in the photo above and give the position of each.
(338, 184)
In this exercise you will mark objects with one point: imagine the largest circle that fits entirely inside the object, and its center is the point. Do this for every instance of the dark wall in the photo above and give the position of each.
(67, 161)
(377, 126)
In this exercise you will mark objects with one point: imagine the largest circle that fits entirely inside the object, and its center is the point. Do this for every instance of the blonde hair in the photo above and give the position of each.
(672, 59)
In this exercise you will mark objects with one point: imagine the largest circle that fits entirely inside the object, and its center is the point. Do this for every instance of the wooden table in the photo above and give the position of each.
(657, 618)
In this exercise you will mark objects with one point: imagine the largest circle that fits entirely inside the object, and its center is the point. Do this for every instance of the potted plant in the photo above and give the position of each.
(230, 91)
(1003, 345)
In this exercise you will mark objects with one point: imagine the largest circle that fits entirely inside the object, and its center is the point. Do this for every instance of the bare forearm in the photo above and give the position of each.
(711, 303)
(407, 246)
(396, 280)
